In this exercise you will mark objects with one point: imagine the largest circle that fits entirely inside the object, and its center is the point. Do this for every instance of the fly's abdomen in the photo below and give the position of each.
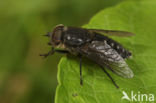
(115, 45)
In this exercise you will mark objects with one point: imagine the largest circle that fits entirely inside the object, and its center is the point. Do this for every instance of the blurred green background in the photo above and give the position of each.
(24, 76)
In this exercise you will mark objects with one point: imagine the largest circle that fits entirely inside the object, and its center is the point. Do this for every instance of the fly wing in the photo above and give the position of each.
(104, 55)
(112, 32)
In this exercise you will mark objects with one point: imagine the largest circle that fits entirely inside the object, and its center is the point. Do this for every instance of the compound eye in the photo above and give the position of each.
(56, 38)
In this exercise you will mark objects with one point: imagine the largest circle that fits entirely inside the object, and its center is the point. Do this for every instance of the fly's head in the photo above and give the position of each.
(56, 37)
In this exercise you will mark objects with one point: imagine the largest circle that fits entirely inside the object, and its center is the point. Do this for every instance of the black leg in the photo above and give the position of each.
(62, 51)
(51, 52)
(81, 81)
(110, 77)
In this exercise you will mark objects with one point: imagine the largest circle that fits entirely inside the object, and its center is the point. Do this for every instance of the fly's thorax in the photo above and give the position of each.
(76, 37)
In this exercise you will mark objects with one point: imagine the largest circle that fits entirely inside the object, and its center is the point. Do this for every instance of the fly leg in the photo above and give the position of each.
(81, 81)
(110, 77)
(51, 52)
(62, 51)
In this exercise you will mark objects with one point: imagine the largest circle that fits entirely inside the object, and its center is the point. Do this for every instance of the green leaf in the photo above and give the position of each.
(138, 17)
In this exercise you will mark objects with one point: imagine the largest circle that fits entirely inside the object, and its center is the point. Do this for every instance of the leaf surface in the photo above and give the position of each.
(138, 17)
